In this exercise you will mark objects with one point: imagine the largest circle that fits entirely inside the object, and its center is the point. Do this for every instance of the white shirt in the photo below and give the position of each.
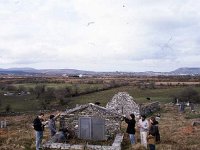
(143, 125)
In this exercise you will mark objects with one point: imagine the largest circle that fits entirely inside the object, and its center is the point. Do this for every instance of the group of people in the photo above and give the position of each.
(39, 124)
(149, 132)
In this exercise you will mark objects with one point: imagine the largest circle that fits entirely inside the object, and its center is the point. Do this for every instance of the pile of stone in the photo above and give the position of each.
(122, 103)
(116, 145)
(149, 108)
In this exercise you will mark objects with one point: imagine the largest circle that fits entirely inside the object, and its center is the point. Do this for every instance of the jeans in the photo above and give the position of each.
(39, 136)
(132, 138)
(152, 147)
(143, 137)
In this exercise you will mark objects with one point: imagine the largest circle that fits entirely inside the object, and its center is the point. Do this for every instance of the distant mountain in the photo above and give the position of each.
(21, 69)
(45, 72)
(74, 72)
(65, 71)
(186, 71)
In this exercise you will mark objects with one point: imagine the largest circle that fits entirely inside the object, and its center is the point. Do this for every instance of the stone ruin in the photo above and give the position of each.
(69, 118)
(121, 103)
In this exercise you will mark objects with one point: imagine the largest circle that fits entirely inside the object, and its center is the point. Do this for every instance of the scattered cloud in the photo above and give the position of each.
(100, 35)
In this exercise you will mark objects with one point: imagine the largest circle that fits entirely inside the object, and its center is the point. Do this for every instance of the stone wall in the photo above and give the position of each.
(149, 108)
(116, 145)
(69, 119)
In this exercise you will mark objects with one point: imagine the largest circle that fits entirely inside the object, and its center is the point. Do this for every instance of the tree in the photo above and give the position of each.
(0, 102)
(189, 94)
(60, 93)
(49, 94)
(22, 88)
(8, 108)
(39, 90)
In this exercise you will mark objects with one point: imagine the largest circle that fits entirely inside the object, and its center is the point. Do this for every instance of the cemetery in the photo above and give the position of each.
(97, 127)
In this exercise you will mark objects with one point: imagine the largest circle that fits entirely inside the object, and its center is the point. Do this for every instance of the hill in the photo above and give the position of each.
(72, 72)
(186, 71)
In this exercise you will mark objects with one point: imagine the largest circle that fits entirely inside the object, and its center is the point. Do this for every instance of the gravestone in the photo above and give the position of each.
(3, 124)
(182, 107)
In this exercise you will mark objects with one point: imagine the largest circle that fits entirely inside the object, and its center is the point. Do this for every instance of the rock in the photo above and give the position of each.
(195, 123)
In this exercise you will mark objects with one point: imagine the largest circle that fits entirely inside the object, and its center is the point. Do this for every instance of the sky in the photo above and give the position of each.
(100, 35)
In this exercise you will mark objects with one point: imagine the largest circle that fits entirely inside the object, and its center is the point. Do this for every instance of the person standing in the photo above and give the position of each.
(153, 135)
(131, 128)
(39, 128)
(52, 124)
(144, 127)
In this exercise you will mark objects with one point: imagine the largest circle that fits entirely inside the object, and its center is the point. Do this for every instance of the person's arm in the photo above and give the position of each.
(152, 131)
(127, 120)
(56, 116)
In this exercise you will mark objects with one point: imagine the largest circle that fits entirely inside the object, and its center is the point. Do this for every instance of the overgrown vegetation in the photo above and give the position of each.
(51, 93)
(176, 132)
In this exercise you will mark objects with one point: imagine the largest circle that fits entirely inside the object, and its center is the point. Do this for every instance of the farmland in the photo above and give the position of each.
(48, 93)
(53, 95)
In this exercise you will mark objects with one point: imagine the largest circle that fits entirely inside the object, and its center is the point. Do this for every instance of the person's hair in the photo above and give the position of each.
(132, 116)
(143, 116)
(41, 114)
(51, 116)
(153, 119)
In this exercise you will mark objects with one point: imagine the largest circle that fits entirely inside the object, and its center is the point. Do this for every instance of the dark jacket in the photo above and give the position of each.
(154, 131)
(37, 124)
(131, 126)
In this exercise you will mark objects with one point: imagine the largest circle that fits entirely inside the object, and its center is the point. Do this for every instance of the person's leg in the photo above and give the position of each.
(144, 138)
(141, 138)
(40, 138)
(152, 147)
(132, 138)
(37, 138)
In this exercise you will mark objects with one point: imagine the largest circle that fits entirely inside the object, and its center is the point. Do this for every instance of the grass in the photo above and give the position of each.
(28, 102)
(175, 130)
(20, 103)
(139, 95)
(192, 116)
(59, 85)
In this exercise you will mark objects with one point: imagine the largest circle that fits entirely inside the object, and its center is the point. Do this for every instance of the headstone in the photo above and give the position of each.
(196, 123)
(182, 107)
(3, 124)
(192, 106)
(177, 102)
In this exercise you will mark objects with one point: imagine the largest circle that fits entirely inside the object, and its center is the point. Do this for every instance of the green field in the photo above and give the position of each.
(139, 95)
(29, 102)
(81, 87)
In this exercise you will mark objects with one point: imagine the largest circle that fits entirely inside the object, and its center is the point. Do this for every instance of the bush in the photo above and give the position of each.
(189, 94)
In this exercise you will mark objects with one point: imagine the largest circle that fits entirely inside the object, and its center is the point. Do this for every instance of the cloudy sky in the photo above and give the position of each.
(100, 35)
